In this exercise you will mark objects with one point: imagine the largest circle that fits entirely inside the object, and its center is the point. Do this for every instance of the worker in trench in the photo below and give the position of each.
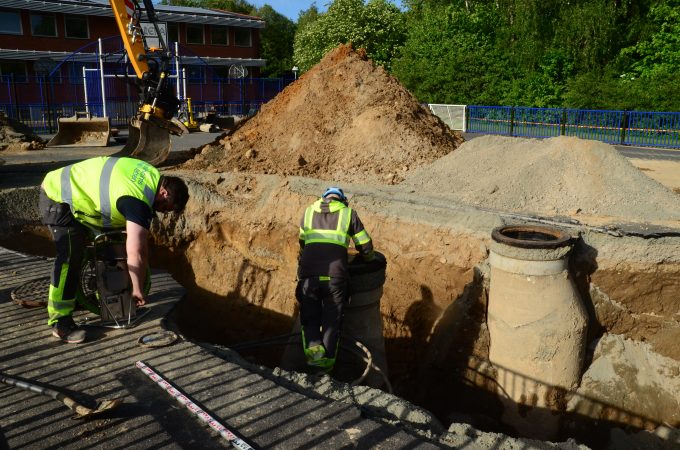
(103, 194)
(326, 229)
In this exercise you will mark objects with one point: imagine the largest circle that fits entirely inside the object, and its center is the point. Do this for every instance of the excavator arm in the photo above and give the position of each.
(150, 129)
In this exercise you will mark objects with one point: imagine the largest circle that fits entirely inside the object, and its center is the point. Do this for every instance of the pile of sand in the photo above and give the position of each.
(344, 120)
(15, 136)
(559, 176)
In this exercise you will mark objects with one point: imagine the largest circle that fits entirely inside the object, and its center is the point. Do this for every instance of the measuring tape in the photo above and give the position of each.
(194, 408)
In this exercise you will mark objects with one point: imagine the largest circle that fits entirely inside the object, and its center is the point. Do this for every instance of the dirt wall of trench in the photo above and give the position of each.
(238, 239)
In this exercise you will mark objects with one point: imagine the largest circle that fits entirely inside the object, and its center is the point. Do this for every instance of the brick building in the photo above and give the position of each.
(45, 44)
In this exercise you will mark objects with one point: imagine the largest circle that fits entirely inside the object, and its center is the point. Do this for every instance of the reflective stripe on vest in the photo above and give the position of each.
(337, 236)
(361, 238)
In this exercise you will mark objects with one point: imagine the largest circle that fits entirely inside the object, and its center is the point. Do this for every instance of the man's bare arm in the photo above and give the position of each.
(137, 259)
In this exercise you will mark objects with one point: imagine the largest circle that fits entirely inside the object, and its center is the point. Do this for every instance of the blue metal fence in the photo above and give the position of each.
(659, 129)
(653, 129)
(38, 102)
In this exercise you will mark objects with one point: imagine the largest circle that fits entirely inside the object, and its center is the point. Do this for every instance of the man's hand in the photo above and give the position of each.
(140, 299)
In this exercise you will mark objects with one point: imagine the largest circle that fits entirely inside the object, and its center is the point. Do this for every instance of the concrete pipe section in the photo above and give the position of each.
(537, 325)
(361, 322)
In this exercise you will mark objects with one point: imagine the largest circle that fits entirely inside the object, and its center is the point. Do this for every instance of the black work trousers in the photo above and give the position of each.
(69, 236)
(321, 303)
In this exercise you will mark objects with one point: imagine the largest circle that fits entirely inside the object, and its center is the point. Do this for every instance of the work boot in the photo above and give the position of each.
(67, 331)
(315, 354)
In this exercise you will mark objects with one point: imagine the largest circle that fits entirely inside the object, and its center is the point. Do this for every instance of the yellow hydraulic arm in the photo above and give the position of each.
(149, 130)
(128, 25)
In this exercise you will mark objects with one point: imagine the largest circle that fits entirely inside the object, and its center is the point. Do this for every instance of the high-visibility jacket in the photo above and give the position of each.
(92, 188)
(326, 230)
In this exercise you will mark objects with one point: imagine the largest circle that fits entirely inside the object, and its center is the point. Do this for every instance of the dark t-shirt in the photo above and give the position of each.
(135, 210)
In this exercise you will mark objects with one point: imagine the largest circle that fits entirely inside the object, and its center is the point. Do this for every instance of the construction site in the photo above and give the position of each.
(528, 297)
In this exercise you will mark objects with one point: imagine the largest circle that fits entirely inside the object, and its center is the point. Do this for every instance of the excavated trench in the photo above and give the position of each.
(235, 252)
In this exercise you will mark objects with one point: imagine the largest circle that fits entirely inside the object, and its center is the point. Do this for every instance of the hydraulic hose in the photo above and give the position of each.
(80, 410)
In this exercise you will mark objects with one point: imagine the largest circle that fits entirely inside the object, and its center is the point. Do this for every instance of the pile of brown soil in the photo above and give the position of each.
(558, 176)
(15, 136)
(344, 120)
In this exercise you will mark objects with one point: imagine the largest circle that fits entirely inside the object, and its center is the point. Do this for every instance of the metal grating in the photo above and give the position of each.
(32, 294)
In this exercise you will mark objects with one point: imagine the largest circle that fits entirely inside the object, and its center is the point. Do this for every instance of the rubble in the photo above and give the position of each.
(15, 136)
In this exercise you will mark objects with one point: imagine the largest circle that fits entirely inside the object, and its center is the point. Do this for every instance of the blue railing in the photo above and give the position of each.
(39, 102)
(659, 129)
(653, 129)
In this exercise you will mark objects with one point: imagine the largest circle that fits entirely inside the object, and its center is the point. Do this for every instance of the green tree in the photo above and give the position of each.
(307, 16)
(450, 57)
(659, 54)
(276, 42)
(377, 26)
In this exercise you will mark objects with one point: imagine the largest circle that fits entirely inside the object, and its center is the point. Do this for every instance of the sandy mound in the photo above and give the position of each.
(344, 120)
(15, 136)
(558, 176)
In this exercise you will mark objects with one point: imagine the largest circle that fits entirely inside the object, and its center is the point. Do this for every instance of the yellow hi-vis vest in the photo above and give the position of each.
(339, 235)
(92, 187)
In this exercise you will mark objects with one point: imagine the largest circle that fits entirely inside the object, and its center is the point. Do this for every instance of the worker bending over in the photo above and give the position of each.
(326, 229)
(105, 194)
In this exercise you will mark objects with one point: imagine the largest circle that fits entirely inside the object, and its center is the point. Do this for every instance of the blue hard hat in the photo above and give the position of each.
(337, 191)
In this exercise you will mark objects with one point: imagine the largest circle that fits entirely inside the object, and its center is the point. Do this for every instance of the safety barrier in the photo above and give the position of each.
(39, 102)
(639, 128)
(451, 115)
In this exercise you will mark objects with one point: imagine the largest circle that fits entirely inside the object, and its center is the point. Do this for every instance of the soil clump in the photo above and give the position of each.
(562, 176)
(15, 136)
(345, 120)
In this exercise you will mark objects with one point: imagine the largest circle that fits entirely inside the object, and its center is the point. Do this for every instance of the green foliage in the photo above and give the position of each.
(377, 26)
(276, 42)
(450, 57)
(607, 90)
(658, 55)
(599, 54)
(543, 87)
(308, 16)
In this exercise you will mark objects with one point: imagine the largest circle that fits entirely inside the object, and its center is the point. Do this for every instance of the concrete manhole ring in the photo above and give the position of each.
(32, 294)
(531, 236)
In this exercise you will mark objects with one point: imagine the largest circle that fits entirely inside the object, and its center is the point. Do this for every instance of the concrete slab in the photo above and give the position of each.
(265, 413)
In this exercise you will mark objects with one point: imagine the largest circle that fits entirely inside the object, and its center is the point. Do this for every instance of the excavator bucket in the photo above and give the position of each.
(147, 141)
(82, 130)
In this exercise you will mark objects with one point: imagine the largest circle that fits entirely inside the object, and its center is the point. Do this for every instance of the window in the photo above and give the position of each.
(15, 70)
(194, 34)
(76, 27)
(242, 37)
(10, 22)
(173, 32)
(196, 74)
(219, 35)
(43, 25)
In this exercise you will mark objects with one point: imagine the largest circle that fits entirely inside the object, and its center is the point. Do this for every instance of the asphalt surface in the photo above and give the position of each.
(261, 411)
